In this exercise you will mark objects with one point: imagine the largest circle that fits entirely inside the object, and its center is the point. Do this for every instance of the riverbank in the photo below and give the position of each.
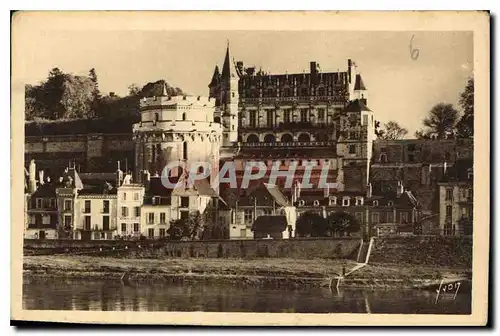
(280, 272)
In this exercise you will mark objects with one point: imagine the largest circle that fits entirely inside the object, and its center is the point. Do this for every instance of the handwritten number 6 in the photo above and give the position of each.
(414, 53)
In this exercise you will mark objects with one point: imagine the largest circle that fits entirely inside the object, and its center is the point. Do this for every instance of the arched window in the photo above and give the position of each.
(322, 136)
(184, 116)
(383, 158)
(286, 138)
(269, 138)
(390, 203)
(185, 150)
(252, 138)
(304, 137)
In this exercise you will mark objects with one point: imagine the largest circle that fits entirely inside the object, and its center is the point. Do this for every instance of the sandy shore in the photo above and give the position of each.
(282, 272)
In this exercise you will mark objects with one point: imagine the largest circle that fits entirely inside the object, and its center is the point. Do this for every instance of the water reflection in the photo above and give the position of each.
(50, 294)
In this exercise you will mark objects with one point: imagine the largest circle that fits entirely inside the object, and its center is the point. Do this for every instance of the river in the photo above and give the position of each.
(102, 295)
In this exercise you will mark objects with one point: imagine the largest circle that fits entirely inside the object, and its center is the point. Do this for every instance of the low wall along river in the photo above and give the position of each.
(417, 250)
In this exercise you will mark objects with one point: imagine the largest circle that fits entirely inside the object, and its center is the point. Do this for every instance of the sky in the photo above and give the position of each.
(400, 87)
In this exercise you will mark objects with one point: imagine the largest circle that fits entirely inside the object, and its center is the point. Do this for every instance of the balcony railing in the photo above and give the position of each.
(287, 126)
(289, 144)
(299, 99)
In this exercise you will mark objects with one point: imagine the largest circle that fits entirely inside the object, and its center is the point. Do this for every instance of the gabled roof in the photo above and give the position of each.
(359, 85)
(45, 190)
(356, 106)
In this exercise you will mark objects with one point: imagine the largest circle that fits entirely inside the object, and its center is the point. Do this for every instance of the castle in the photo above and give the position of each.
(289, 121)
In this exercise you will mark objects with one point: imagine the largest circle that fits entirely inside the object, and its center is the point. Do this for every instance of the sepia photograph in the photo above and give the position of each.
(305, 172)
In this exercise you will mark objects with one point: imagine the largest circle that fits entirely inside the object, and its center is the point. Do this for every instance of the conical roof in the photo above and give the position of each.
(215, 77)
(359, 85)
(228, 69)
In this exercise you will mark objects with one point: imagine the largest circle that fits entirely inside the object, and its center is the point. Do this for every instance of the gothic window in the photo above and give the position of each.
(286, 138)
(321, 115)
(253, 118)
(303, 115)
(270, 118)
(286, 116)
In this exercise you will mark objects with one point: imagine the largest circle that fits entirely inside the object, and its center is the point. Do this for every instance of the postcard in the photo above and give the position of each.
(250, 168)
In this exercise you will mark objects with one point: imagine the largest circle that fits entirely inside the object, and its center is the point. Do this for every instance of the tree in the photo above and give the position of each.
(96, 94)
(392, 131)
(310, 224)
(441, 121)
(342, 222)
(133, 90)
(465, 127)
(189, 228)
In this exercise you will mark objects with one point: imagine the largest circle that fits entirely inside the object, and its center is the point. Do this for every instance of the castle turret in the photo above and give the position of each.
(229, 100)
(175, 129)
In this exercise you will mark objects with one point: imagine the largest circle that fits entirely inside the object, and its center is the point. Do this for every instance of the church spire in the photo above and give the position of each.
(228, 69)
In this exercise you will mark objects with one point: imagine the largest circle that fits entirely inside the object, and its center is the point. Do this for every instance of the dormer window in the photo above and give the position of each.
(383, 158)
(375, 203)
(332, 200)
(359, 200)
(156, 200)
(302, 203)
(390, 203)
(346, 201)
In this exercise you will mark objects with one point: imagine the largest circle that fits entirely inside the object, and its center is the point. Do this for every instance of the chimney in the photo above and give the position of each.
(400, 189)
(32, 176)
(40, 177)
(349, 74)
(146, 180)
(369, 190)
(119, 176)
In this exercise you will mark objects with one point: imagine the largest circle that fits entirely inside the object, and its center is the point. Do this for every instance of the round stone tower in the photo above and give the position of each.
(178, 128)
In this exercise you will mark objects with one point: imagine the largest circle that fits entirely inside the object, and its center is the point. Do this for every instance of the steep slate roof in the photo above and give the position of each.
(356, 106)
(270, 223)
(228, 69)
(215, 77)
(359, 85)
